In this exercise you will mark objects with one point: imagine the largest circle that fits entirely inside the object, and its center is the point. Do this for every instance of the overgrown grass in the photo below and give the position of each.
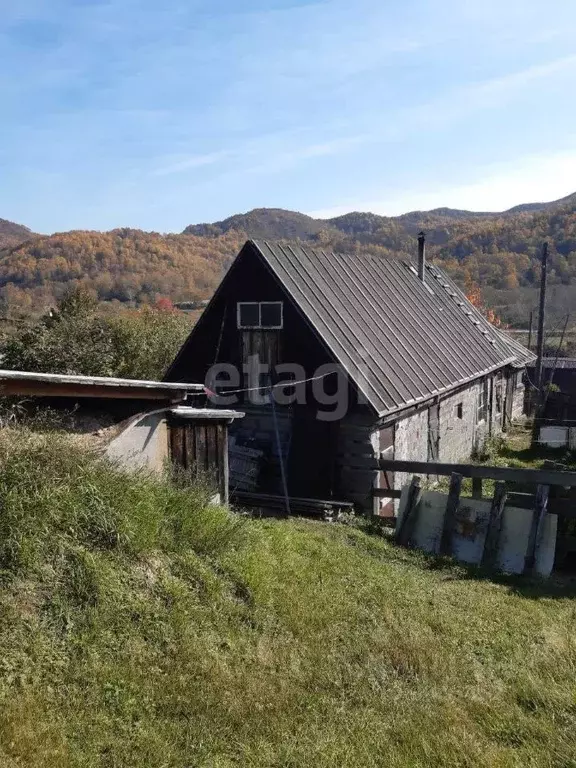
(142, 627)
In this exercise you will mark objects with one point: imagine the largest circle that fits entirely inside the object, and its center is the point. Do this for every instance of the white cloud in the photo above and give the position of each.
(531, 179)
(180, 164)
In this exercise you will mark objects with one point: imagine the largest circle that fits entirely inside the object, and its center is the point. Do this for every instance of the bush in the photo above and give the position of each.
(76, 339)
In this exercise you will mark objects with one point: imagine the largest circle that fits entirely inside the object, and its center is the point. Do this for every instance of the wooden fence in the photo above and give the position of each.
(550, 493)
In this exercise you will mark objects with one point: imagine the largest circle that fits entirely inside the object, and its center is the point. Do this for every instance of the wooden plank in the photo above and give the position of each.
(224, 465)
(450, 514)
(56, 389)
(176, 446)
(521, 500)
(200, 438)
(303, 502)
(211, 447)
(386, 493)
(494, 526)
(406, 527)
(536, 527)
(190, 460)
(476, 487)
(509, 474)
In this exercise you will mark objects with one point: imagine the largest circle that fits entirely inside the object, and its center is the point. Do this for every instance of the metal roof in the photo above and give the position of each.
(401, 340)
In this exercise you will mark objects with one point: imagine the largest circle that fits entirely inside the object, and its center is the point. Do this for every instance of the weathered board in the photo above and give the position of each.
(200, 448)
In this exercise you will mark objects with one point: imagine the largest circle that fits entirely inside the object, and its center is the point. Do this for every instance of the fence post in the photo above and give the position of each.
(476, 487)
(408, 522)
(494, 526)
(450, 514)
(536, 527)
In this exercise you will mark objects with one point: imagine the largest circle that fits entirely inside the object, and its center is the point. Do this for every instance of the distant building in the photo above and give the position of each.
(424, 375)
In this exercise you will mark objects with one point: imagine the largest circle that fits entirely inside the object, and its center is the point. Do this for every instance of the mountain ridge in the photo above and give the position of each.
(495, 255)
(282, 223)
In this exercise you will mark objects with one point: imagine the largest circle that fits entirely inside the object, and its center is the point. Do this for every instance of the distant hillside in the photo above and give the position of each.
(124, 265)
(496, 254)
(280, 224)
(263, 223)
(13, 234)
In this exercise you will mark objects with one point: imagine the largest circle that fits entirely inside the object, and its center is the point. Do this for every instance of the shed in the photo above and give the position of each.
(145, 423)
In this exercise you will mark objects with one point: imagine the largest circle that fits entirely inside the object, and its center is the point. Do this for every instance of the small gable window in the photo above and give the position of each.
(260, 314)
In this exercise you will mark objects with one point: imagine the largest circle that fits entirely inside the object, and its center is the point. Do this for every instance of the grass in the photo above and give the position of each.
(514, 449)
(143, 627)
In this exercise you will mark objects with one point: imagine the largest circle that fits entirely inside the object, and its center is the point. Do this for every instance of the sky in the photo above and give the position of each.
(159, 114)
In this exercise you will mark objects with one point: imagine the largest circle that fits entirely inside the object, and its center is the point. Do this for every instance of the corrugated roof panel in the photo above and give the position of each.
(412, 340)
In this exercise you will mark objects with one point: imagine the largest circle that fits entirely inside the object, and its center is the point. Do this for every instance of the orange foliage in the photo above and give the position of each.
(474, 296)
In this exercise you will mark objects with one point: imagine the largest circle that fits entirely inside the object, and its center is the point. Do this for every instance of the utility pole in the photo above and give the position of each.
(530, 328)
(541, 321)
(539, 394)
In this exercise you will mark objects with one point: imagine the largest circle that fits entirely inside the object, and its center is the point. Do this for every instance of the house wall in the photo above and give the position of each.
(256, 430)
(519, 400)
(459, 436)
(410, 442)
(143, 444)
(357, 448)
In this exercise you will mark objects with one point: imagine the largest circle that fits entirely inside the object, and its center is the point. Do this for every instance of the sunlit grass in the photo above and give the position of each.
(142, 627)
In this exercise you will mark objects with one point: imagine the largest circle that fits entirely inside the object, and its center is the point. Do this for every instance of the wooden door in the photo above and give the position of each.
(200, 449)
(312, 457)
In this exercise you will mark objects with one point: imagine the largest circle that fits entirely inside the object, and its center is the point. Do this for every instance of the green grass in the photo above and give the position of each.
(142, 627)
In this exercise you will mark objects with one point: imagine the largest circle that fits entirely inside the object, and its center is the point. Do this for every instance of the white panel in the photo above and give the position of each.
(555, 437)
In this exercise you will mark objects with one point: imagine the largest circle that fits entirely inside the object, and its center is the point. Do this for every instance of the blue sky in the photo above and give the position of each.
(161, 113)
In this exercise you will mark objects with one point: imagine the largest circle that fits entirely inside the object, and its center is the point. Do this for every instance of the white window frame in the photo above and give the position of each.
(259, 326)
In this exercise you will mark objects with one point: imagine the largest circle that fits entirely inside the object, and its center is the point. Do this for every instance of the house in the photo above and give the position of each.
(384, 357)
(137, 424)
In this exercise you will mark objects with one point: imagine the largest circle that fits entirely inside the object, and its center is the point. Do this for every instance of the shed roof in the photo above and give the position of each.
(66, 385)
(401, 340)
(567, 363)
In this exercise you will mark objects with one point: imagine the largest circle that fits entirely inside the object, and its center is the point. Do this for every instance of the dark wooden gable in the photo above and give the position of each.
(217, 339)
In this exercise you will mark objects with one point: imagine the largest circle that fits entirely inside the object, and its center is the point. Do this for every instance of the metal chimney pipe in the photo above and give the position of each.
(422, 256)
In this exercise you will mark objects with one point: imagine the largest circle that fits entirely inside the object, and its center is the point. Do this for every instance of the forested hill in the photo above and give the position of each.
(496, 253)
(124, 265)
(13, 234)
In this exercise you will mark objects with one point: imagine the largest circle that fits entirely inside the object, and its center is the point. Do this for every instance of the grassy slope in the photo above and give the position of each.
(142, 628)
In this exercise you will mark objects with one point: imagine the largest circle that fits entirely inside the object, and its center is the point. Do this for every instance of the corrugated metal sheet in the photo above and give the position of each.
(567, 363)
(400, 340)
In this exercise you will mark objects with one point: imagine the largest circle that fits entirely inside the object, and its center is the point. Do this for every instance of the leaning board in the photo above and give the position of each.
(469, 534)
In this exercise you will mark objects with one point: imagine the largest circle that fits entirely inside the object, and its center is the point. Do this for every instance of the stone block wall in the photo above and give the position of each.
(410, 442)
(459, 432)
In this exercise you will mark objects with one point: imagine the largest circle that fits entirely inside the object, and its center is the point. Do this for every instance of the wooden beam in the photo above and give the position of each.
(494, 526)
(508, 474)
(406, 526)
(450, 514)
(47, 389)
(385, 493)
